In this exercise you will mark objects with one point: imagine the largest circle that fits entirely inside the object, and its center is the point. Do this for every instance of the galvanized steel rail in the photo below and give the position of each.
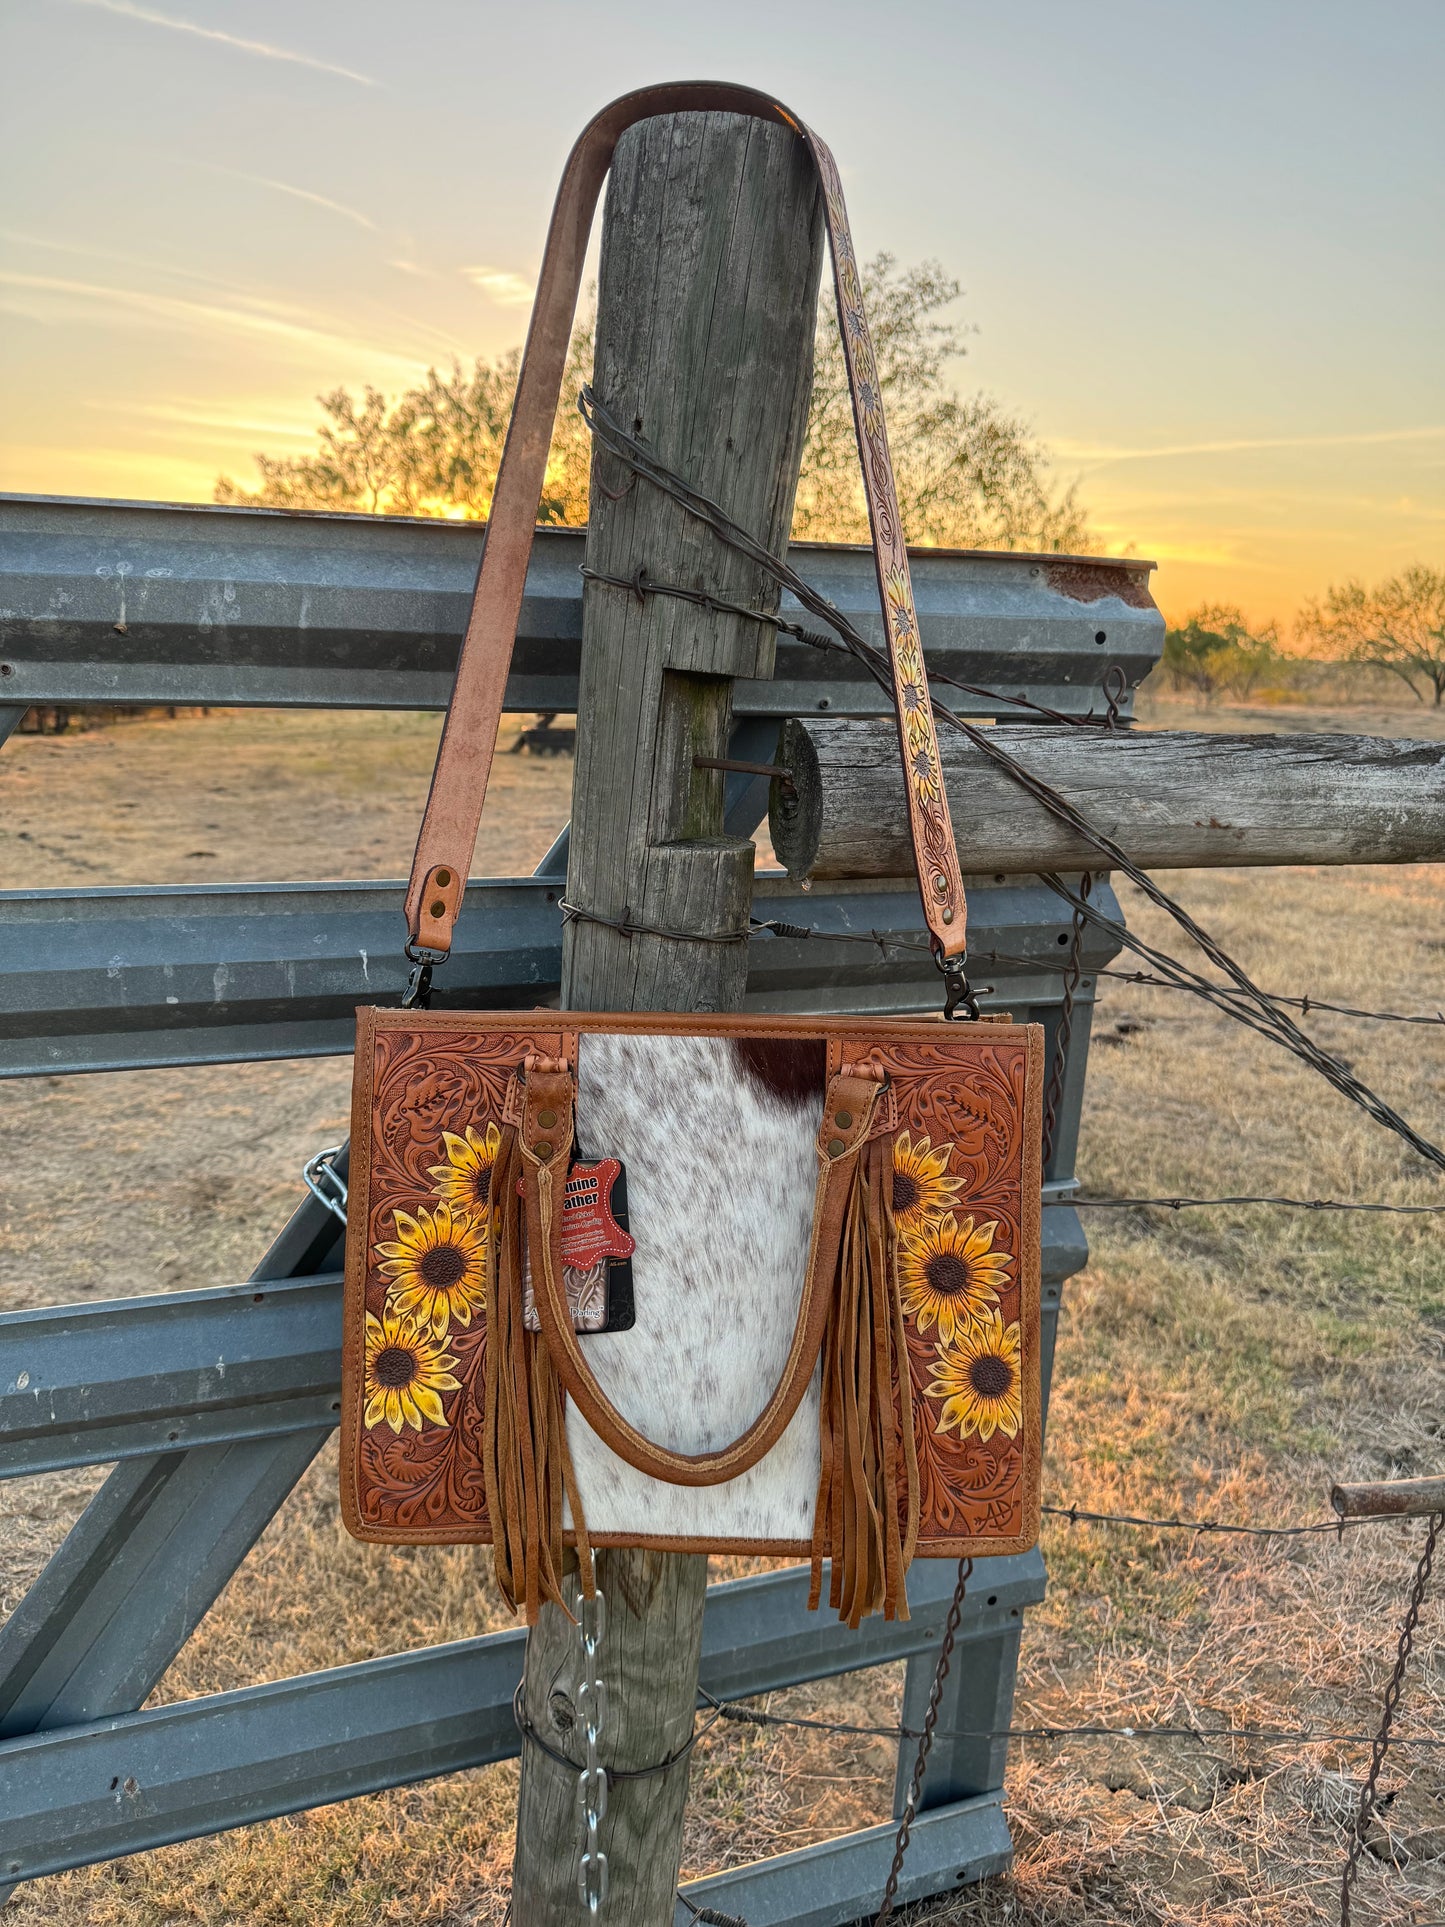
(211, 1402)
(134, 602)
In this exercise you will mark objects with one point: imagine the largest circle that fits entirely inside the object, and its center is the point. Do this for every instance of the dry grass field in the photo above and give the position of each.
(1226, 1363)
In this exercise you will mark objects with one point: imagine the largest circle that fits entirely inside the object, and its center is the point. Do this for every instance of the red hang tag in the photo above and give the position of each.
(589, 1230)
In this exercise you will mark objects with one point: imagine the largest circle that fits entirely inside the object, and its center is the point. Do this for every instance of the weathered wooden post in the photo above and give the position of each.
(712, 246)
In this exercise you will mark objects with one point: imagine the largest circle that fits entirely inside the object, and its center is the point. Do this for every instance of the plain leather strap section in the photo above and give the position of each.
(464, 756)
(546, 1146)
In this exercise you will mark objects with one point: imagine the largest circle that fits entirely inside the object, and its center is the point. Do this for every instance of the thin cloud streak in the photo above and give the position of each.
(1087, 452)
(87, 251)
(205, 415)
(508, 290)
(263, 48)
(298, 193)
(198, 317)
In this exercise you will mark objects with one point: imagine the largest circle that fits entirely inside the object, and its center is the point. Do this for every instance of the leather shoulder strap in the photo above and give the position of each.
(464, 756)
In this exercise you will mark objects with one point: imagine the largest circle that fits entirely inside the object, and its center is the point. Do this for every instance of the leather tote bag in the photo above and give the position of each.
(714, 1283)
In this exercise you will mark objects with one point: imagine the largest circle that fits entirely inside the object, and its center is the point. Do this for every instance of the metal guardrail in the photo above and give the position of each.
(211, 1402)
(114, 979)
(200, 1765)
(133, 602)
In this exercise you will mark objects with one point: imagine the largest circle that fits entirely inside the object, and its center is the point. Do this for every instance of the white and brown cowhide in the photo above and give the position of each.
(718, 1139)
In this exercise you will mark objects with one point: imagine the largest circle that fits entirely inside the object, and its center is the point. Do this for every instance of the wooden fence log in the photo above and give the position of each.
(1389, 1499)
(712, 245)
(1172, 799)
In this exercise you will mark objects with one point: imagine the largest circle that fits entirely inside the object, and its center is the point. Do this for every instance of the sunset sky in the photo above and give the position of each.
(1202, 244)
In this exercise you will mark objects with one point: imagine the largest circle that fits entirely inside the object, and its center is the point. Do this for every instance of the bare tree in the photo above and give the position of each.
(1399, 625)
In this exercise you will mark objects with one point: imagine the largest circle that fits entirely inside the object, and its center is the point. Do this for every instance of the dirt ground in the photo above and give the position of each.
(1227, 1363)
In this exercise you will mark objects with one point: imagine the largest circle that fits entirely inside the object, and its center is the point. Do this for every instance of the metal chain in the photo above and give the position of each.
(1369, 1793)
(925, 1742)
(1054, 1090)
(616, 1773)
(325, 1182)
(592, 1780)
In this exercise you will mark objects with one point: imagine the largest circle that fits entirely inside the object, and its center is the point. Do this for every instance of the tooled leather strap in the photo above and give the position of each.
(545, 1140)
(464, 756)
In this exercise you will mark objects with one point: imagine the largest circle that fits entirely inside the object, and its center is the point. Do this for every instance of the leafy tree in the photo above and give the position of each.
(352, 469)
(1215, 649)
(436, 451)
(1399, 626)
(969, 473)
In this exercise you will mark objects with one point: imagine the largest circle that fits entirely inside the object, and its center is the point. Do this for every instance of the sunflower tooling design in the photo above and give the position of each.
(465, 1180)
(437, 1265)
(979, 1380)
(435, 1270)
(406, 1372)
(922, 1188)
(951, 1273)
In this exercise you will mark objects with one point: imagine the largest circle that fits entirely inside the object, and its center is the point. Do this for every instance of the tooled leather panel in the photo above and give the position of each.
(968, 1256)
(416, 1476)
(968, 1267)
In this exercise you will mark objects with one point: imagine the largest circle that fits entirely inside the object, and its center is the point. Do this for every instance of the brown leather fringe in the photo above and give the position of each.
(524, 1438)
(867, 1512)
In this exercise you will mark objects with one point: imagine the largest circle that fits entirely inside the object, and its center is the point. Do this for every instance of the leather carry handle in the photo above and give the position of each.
(464, 755)
(545, 1140)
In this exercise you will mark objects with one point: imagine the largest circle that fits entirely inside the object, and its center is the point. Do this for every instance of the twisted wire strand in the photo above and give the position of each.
(885, 941)
(734, 1713)
(1380, 1744)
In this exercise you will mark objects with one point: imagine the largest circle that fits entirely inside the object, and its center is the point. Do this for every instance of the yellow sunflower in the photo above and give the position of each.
(980, 1382)
(406, 1373)
(948, 1273)
(465, 1180)
(437, 1265)
(922, 1188)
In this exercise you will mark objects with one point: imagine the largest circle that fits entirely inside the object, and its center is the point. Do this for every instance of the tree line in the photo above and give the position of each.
(970, 473)
(1397, 626)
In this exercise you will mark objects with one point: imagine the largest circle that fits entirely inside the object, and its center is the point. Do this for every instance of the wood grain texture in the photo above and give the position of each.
(1389, 1499)
(1172, 799)
(710, 261)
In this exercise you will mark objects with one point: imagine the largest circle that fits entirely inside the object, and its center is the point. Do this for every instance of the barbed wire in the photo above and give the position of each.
(1079, 1515)
(1247, 1005)
(734, 1712)
(1243, 1001)
(1305, 1004)
(885, 941)
(1289, 1204)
